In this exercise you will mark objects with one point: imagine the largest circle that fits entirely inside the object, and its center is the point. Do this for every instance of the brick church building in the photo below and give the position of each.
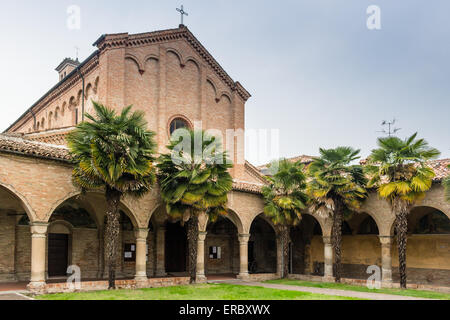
(46, 225)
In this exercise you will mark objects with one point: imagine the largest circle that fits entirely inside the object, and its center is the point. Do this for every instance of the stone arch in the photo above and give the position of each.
(89, 88)
(307, 247)
(151, 56)
(133, 58)
(234, 217)
(123, 206)
(263, 246)
(418, 213)
(177, 54)
(63, 109)
(22, 200)
(367, 225)
(66, 224)
(226, 95)
(192, 60)
(50, 117)
(213, 86)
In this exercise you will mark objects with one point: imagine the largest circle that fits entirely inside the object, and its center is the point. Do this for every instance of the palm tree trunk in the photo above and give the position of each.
(284, 235)
(401, 226)
(112, 234)
(192, 235)
(337, 242)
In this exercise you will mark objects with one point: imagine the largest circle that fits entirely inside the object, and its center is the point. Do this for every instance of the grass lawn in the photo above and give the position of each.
(195, 292)
(408, 292)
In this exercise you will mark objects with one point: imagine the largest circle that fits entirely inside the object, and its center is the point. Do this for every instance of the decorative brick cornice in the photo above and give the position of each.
(124, 40)
(89, 65)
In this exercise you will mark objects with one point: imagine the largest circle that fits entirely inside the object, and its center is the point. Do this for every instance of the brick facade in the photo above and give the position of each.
(167, 74)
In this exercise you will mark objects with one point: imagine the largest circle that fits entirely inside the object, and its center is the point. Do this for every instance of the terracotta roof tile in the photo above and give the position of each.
(247, 187)
(12, 144)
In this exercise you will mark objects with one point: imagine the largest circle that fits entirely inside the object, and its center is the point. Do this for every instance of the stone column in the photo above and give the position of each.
(160, 251)
(243, 256)
(386, 260)
(101, 254)
(328, 260)
(141, 254)
(200, 277)
(38, 250)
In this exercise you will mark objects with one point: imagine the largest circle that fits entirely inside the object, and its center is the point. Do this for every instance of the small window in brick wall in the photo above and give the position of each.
(129, 254)
(215, 253)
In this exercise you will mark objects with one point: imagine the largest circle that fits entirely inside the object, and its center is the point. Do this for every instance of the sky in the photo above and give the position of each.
(315, 71)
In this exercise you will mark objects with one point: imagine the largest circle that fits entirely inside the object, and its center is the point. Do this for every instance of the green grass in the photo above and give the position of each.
(195, 292)
(408, 292)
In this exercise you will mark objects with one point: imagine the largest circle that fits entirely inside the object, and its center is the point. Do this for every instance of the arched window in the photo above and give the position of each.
(435, 222)
(178, 123)
(368, 226)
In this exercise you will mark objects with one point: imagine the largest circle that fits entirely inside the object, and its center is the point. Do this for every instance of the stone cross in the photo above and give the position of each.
(183, 13)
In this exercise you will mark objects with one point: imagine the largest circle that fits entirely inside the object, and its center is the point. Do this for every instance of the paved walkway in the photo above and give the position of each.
(13, 295)
(332, 292)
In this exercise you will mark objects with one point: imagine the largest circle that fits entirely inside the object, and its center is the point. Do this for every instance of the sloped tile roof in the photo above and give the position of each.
(247, 187)
(440, 167)
(12, 144)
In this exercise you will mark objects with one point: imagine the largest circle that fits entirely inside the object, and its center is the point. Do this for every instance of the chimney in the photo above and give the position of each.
(66, 67)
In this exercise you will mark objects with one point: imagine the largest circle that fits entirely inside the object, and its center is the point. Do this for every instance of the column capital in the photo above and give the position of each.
(244, 238)
(386, 240)
(39, 229)
(326, 240)
(141, 234)
(202, 235)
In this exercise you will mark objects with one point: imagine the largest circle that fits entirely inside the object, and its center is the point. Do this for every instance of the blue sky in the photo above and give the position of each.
(314, 69)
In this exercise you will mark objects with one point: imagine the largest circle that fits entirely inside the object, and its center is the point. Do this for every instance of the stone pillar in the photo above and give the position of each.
(243, 256)
(38, 250)
(200, 277)
(308, 261)
(328, 260)
(386, 260)
(141, 254)
(160, 251)
(101, 254)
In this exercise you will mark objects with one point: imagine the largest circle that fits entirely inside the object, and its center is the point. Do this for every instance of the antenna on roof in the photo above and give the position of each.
(76, 53)
(391, 130)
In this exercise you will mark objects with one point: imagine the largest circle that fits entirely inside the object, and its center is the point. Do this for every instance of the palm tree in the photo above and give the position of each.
(113, 153)
(336, 187)
(194, 179)
(398, 169)
(284, 201)
(446, 183)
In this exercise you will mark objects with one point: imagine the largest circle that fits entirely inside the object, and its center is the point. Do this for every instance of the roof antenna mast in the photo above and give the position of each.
(391, 130)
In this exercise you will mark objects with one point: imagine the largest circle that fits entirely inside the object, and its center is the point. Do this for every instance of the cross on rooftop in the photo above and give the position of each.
(182, 13)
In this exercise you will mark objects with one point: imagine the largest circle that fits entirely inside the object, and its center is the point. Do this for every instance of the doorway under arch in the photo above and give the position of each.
(222, 248)
(262, 247)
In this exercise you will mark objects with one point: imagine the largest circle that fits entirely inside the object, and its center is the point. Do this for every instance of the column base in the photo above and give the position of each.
(141, 281)
(387, 284)
(243, 276)
(328, 279)
(201, 278)
(37, 287)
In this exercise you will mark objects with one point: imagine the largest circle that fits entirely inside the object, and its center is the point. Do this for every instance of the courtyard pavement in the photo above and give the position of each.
(332, 292)
(12, 295)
